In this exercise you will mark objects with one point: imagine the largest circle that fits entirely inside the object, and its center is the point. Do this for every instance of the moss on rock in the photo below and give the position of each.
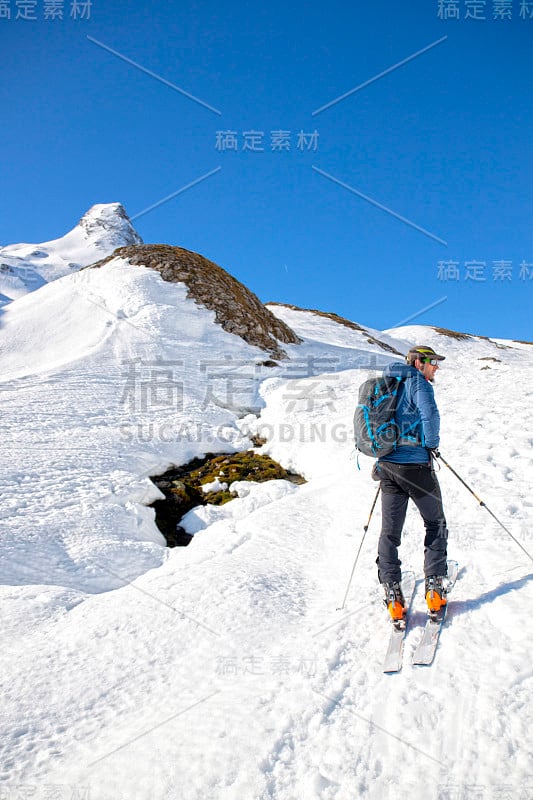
(183, 486)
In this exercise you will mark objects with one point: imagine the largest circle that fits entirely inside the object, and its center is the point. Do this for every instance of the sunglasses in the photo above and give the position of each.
(432, 361)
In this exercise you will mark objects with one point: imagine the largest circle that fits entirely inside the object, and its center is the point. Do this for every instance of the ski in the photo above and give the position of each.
(427, 646)
(393, 658)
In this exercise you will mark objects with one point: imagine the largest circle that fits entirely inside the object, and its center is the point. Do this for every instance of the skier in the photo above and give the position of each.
(408, 472)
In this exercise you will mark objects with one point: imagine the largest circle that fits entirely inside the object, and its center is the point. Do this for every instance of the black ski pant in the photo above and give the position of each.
(399, 482)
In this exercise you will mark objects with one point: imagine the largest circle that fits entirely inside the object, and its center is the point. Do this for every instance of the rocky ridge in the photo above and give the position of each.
(354, 326)
(237, 309)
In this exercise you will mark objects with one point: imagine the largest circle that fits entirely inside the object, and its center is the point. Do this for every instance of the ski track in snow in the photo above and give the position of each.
(224, 669)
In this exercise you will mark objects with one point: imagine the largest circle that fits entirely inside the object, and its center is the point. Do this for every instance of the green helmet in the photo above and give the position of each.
(422, 352)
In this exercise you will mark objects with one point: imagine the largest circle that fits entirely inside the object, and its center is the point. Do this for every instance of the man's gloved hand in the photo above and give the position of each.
(434, 452)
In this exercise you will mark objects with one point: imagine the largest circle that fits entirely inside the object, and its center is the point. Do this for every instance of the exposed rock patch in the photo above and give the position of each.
(465, 336)
(208, 480)
(237, 309)
(453, 334)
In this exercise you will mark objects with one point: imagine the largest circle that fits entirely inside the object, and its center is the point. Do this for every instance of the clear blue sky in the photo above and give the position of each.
(442, 141)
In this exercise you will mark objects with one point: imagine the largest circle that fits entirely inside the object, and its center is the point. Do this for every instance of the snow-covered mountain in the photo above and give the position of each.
(223, 669)
(26, 267)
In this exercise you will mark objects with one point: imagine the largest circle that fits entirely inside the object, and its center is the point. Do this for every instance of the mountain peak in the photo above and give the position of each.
(108, 226)
(26, 267)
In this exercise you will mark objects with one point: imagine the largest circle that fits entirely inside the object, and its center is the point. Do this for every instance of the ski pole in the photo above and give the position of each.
(360, 547)
(482, 503)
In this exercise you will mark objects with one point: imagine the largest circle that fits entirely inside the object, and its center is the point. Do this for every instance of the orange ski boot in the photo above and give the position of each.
(435, 593)
(394, 600)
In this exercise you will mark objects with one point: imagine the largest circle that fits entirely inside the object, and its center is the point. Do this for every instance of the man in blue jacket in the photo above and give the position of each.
(407, 473)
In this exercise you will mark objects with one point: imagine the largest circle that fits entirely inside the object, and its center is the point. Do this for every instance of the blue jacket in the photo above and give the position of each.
(417, 416)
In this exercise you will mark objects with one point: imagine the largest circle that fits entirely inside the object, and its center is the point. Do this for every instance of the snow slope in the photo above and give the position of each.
(26, 267)
(223, 670)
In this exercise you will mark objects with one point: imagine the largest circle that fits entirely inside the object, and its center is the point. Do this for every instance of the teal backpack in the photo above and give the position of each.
(375, 429)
